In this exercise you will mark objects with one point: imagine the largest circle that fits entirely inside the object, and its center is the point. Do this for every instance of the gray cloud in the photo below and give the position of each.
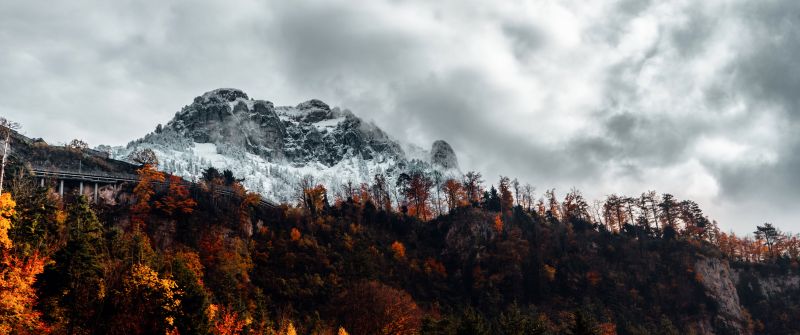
(525, 39)
(698, 99)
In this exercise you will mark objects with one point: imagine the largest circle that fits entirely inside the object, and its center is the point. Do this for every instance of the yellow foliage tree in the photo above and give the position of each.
(290, 330)
(7, 210)
(342, 331)
(148, 303)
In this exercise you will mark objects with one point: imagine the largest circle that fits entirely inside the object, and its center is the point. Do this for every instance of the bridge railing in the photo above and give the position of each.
(85, 176)
(69, 173)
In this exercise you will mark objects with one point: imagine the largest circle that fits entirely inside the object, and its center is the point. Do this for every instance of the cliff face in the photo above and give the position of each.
(308, 133)
(719, 281)
(746, 295)
(767, 286)
(736, 290)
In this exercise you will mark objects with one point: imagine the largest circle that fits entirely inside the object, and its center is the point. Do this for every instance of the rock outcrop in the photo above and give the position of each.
(314, 111)
(442, 155)
(309, 132)
(717, 278)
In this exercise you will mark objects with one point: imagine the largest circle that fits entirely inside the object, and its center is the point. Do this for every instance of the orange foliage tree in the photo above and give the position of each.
(18, 297)
(454, 194)
(7, 210)
(17, 276)
(417, 189)
(498, 223)
(315, 199)
(295, 234)
(506, 198)
(399, 250)
(228, 322)
(144, 192)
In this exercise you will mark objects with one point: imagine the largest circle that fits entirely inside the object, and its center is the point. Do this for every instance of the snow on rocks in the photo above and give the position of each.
(274, 148)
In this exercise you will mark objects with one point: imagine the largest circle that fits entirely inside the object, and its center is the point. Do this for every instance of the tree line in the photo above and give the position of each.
(429, 195)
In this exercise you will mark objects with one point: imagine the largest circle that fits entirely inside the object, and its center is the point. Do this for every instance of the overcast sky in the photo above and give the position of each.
(696, 98)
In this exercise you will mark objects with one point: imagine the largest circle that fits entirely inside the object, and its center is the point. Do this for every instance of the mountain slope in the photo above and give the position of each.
(273, 148)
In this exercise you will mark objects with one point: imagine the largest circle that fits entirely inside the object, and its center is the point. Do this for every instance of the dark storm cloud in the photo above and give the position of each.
(700, 98)
(331, 41)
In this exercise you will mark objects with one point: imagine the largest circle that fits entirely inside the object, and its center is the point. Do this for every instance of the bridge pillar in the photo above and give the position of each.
(95, 192)
(80, 189)
(61, 188)
(41, 182)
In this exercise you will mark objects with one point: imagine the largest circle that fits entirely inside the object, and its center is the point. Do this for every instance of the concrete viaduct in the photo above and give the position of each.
(84, 179)
(97, 179)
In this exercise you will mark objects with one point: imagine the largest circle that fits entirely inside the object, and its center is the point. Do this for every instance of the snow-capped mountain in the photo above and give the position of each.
(273, 148)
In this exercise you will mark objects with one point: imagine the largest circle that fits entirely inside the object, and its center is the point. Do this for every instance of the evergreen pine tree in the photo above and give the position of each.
(71, 288)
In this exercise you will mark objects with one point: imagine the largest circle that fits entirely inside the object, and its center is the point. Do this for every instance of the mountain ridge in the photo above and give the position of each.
(274, 147)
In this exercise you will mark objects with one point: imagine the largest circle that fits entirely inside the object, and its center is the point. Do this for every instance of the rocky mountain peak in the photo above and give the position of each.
(274, 146)
(442, 154)
(314, 111)
(223, 95)
(313, 104)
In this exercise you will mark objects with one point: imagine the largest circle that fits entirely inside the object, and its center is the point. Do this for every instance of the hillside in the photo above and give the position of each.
(166, 257)
(251, 219)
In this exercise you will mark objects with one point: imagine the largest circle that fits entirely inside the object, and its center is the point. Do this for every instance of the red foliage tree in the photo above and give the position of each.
(374, 308)
(177, 200)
